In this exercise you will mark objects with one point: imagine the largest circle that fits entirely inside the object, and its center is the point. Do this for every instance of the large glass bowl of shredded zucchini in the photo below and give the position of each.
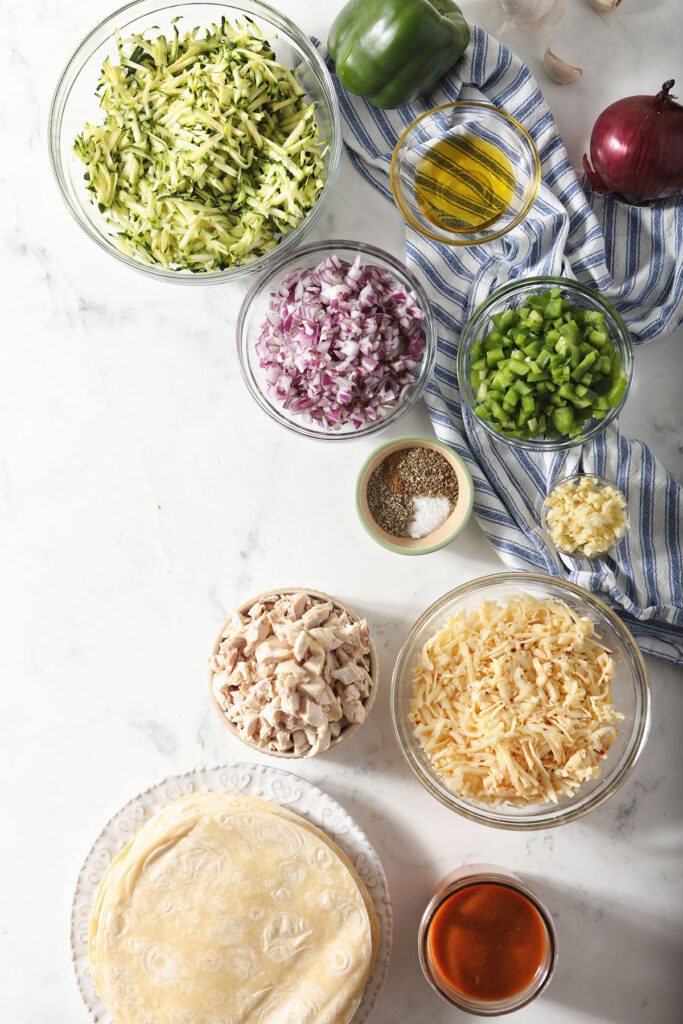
(193, 141)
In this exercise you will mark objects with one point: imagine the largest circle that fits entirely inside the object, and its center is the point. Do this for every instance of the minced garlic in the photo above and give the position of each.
(512, 703)
(585, 516)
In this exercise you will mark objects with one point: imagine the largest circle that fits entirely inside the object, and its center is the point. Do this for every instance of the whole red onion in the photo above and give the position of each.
(637, 149)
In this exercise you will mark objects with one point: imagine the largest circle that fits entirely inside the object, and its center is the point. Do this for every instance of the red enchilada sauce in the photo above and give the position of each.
(487, 942)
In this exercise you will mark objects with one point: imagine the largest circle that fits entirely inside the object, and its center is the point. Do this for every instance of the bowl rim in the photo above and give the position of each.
(603, 481)
(542, 819)
(72, 70)
(408, 441)
(624, 345)
(464, 240)
(345, 734)
(332, 246)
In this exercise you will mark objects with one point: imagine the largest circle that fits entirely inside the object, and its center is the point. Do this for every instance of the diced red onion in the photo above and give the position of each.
(341, 343)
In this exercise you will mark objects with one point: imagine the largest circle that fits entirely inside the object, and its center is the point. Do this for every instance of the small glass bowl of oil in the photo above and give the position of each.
(465, 173)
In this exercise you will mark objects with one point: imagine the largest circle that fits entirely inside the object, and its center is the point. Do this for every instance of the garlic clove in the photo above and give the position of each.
(559, 70)
(604, 6)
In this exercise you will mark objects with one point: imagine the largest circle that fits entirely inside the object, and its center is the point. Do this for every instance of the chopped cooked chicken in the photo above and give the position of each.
(322, 742)
(353, 710)
(250, 722)
(325, 636)
(272, 649)
(316, 615)
(300, 646)
(233, 625)
(349, 673)
(257, 631)
(299, 604)
(314, 664)
(312, 713)
(315, 689)
(293, 672)
(300, 742)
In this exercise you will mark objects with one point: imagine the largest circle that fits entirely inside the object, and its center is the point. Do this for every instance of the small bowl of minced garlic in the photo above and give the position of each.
(585, 516)
(414, 495)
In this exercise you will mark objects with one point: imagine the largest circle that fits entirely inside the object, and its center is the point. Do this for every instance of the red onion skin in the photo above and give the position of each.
(636, 149)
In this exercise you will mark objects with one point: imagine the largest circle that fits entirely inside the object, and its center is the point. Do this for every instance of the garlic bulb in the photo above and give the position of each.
(499, 16)
(604, 6)
(559, 70)
(530, 14)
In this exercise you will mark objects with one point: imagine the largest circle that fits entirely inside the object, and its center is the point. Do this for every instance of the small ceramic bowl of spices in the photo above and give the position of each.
(414, 495)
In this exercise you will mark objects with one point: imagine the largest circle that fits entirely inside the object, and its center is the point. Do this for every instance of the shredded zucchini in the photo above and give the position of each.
(208, 152)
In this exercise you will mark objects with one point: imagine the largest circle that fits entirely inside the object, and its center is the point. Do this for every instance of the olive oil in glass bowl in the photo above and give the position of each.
(465, 173)
(464, 184)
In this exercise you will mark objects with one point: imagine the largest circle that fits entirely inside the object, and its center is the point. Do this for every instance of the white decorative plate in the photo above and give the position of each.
(273, 784)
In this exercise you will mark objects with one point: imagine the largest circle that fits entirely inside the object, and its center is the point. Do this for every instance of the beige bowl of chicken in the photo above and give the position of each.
(293, 672)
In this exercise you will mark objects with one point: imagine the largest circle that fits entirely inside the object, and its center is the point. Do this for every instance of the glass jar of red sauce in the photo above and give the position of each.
(487, 943)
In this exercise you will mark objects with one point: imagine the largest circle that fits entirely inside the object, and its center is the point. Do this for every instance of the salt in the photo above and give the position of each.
(429, 514)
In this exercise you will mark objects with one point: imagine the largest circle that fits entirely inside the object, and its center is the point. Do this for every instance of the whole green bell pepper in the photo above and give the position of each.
(394, 50)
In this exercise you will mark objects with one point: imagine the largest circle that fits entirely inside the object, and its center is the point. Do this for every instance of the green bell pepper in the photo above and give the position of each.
(392, 51)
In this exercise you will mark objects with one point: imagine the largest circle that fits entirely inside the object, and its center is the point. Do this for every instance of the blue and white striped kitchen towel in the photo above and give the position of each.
(632, 257)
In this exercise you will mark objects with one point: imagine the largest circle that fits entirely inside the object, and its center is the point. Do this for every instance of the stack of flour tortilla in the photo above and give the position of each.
(231, 910)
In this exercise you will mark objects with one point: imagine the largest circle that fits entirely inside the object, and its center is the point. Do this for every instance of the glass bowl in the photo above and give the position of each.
(513, 295)
(74, 102)
(456, 121)
(486, 874)
(600, 481)
(631, 690)
(255, 307)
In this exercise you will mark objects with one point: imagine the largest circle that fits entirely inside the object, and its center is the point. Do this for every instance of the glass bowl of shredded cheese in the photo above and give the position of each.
(520, 701)
(585, 516)
(194, 141)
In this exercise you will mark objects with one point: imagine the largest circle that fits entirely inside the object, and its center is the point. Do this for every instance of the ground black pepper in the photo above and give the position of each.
(406, 474)
(422, 472)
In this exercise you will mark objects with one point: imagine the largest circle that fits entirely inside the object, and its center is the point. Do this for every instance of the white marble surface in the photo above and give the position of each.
(142, 494)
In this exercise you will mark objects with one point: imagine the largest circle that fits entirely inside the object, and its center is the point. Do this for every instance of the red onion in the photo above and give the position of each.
(341, 342)
(637, 149)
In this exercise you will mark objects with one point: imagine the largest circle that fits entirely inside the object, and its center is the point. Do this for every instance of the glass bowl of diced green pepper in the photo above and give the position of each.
(545, 363)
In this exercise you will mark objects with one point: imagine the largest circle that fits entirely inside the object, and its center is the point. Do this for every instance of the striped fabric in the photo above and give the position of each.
(629, 255)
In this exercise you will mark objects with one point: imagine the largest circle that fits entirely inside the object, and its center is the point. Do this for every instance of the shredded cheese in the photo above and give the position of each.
(585, 516)
(512, 703)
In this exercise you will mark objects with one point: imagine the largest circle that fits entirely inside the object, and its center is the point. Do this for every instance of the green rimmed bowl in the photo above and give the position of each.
(439, 538)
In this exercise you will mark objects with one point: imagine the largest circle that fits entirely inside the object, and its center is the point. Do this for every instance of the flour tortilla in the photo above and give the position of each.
(243, 803)
(231, 910)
